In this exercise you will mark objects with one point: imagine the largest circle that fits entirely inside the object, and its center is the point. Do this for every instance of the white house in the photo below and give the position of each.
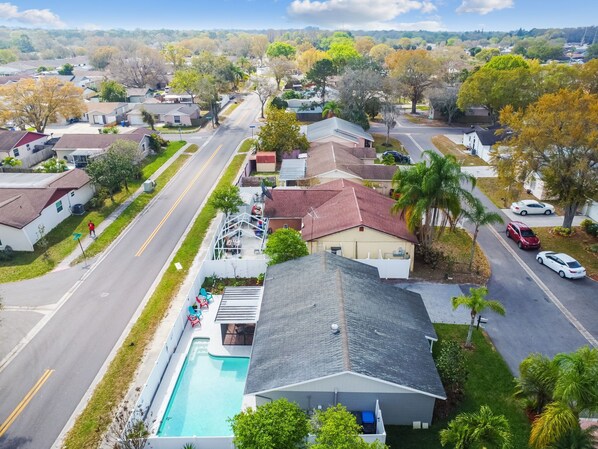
(22, 145)
(29, 201)
(105, 113)
(481, 140)
(535, 185)
(338, 130)
(171, 114)
(77, 149)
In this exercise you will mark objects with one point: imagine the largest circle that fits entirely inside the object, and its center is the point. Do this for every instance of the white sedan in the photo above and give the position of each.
(566, 266)
(525, 207)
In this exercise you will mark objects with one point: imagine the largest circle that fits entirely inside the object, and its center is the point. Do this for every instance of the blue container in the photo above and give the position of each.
(367, 417)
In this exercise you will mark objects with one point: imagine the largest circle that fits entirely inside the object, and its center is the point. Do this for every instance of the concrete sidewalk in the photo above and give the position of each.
(87, 240)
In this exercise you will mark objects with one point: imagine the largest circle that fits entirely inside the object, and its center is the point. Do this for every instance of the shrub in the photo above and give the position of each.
(592, 229)
(563, 232)
(585, 223)
(157, 142)
(593, 248)
(98, 199)
(429, 256)
(452, 368)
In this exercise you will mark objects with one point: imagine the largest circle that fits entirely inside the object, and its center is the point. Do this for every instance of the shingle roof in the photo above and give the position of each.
(335, 127)
(10, 139)
(164, 108)
(382, 335)
(103, 108)
(487, 136)
(319, 208)
(19, 206)
(75, 141)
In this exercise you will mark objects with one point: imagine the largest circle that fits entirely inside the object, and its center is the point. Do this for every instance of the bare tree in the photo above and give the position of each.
(281, 68)
(264, 88)
(129, 429)
(390, 116)
(445, 100)
(140, 68)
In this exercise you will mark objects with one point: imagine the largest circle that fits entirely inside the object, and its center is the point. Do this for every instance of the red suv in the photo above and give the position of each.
(523, 235)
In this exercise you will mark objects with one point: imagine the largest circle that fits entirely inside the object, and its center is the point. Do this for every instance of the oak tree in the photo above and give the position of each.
(281, 133)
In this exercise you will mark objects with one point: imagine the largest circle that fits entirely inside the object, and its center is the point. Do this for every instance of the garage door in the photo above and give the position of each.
(135, 119)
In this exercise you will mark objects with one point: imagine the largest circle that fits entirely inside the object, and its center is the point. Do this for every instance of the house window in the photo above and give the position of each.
(361, 229)
(72, 193)
(16, 152)
(59, 206)
(177, 119)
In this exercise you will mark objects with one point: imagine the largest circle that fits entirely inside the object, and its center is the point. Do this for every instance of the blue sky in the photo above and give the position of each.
(452, 15)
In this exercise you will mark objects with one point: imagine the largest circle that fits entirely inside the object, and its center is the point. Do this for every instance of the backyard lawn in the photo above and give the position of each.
(446, 146)
(489, 383)
(395, 145)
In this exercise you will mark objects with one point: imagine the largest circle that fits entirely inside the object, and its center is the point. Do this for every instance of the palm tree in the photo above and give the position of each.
(479, 216)
(476, 302)
(537, 378)
(148, 118)
(431, 193)
(577, 438)
(575, 391)
(331, 109)
(478, 429)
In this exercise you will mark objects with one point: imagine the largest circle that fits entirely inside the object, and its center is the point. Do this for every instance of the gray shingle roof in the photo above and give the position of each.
(336, 127)
(382, 334)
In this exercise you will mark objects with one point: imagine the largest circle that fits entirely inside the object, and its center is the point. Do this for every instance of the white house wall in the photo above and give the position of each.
(17, 239)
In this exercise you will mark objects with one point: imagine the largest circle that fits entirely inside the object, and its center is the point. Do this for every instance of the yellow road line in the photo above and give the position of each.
(26, 400)
(176, 203)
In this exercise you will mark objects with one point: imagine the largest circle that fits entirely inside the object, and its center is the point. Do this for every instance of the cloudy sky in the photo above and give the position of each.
(453, 15)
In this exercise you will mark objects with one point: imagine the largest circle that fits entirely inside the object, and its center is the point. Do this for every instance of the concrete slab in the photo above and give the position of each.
(455, 138)
(486, 171)
(437, 298)
(542, 221)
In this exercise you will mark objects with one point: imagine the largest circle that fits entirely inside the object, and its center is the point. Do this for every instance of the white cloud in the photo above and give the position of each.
(484, 6)
(356, 14)
(39, 17)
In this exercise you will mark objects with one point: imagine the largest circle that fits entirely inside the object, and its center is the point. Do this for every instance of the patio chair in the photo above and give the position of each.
(194, 320)
(206, 295)
(196, 313)
(202, 302)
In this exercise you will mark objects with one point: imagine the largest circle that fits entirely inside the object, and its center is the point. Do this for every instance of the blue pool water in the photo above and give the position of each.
(209, 390)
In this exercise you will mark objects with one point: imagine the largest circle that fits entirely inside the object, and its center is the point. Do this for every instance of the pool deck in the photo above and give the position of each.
(208, 330)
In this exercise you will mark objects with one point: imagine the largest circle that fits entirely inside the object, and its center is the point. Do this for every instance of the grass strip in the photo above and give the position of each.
(132, 210)
(446, 146)
(31, 264)
(192, 149)
(93, 422)
(246, 145)
(489, 382)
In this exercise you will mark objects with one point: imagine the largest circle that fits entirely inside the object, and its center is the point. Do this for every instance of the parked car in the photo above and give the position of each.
(398, 157)
(565, 265)
(525, 207)
(523, 235)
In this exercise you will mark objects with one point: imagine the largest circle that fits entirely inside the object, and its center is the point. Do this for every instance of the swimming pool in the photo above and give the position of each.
(209, 390)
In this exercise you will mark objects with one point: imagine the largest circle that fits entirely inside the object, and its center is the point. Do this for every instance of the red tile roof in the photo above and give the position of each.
(337, 206)
(265, 157)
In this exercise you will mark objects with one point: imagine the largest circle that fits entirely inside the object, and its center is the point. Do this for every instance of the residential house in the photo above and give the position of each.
(168, 113)
(344, 218)
(534, 184)
(330, 332)
(138, 94)
(105, 113)
(24, 146)
(305, 110)
(338, 130)
(481, 140)
(78, 149)
(29, 201)
(332, 160)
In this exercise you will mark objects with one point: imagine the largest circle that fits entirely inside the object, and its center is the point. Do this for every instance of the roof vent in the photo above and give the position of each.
(334, 328)
(377, 332)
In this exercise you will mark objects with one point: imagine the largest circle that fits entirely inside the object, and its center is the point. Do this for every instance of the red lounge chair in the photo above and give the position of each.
(202, 301)
(193, 320)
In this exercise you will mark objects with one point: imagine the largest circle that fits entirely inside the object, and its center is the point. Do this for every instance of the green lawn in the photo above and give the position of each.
(495, 193)
(446, 146)
(395, 145)
(29, 265)
(490, 382)
(192, 149)
(246, 145)
(90, 426)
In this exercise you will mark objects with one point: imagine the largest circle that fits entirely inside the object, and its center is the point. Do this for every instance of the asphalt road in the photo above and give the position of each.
(532, 294)
(42, 386)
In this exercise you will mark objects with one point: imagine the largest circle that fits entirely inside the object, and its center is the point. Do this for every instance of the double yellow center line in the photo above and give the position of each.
(26, 400)
(176, 203)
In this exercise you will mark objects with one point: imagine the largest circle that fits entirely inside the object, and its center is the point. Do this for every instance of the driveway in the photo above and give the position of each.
(542, 221)
(83, 128)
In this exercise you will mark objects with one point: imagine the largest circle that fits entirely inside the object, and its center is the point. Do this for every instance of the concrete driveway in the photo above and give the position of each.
(83, 128)
(542, 221)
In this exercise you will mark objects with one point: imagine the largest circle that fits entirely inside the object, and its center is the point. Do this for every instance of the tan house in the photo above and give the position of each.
(105, 113)
(329, 161)
(344, 218)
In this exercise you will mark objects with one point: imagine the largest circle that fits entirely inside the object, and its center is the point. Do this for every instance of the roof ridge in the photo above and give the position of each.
(343, 321)
(10, 200)
(357, 204)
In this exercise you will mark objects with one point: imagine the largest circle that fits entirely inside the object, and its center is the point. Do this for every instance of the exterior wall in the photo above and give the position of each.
(185, 119)
(267, 167)
(348, 143)
(472, 141)
(25, 151)
(366, 244)
(135, 119)
(591, 210)
(17, 239)
(536, 185)
(277, 223)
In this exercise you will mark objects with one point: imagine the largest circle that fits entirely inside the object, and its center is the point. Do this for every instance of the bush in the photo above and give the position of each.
(429, 256)
(585, 224)
(279, 103)
(452, 368)
(110, 130)
(98, 199)
(7, 253)
(563, 232)
(593, 248)
(157, 142)
(590, 227)
(291, 95)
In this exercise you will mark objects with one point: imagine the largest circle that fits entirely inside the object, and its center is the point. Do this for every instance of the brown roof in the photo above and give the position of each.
(337, 206)
(75, 141)
(331, 156)
(10, 139)
(20, 206)
(104, 108)
(265, 156)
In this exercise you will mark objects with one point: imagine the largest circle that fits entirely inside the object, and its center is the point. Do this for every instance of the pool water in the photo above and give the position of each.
(209, 390)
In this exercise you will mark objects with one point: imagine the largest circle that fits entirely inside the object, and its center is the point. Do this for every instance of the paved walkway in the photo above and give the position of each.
(87, 240)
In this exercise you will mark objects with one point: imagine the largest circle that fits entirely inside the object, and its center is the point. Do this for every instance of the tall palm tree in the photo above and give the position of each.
(479, 216)
(479, 429)
(537, 378)
(476, 302)
(578, 438)
(430, 194)
(575, 391)
(331, 109)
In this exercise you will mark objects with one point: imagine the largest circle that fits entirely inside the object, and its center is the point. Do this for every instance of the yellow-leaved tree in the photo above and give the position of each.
(37, 103)
(557, 137)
